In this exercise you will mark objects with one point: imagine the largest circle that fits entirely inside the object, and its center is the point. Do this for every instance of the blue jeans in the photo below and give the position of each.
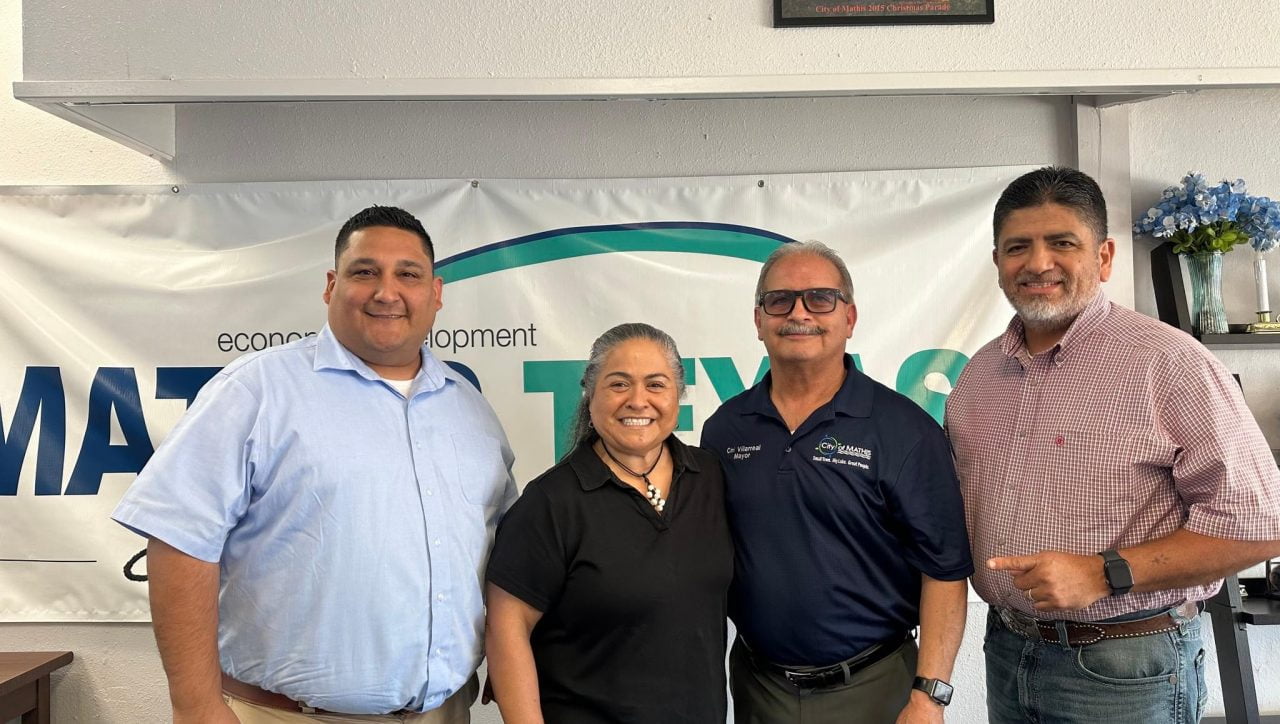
(1148, 679)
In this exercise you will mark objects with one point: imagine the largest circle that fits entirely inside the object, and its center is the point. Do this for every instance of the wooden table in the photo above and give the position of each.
(24, 684)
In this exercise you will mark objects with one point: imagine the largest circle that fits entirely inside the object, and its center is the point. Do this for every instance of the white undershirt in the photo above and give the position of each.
(401, 386)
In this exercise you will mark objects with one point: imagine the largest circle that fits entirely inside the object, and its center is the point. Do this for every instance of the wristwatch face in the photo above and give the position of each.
(1119, 576)
(942, 692)
(937, 689)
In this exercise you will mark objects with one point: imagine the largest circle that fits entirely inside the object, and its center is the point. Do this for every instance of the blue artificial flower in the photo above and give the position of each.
(1200, 217)
(1262, 223)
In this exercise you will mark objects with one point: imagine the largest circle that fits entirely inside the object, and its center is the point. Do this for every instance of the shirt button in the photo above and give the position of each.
(429, 492)
(787, 450)
(435, 542)
(439, 597)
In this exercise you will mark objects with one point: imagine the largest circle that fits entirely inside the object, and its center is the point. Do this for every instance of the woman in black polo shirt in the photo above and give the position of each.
(608, 579)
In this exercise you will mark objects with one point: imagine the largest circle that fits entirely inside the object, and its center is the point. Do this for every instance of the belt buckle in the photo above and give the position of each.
(800, 679)
(796, 678)
(808, 679)
(1023, 625)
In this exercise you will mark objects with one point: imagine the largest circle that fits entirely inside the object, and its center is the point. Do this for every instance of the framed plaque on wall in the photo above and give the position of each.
(796, 13)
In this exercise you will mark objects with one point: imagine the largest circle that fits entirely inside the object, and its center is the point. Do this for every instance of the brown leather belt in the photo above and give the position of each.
(1083, 633)
(262, 697)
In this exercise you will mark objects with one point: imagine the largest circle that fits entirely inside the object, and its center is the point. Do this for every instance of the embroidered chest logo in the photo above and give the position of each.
(741, 452)
(831, 450)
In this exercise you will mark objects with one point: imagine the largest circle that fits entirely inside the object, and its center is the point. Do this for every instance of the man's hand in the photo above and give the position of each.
(217, 714)
(920, 709)
(1055, 581)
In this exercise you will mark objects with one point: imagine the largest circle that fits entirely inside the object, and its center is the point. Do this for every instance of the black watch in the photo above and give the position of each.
(937, 689)
(1119, 575)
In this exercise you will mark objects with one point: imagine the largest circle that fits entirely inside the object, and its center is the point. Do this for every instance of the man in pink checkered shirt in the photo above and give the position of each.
(1112, 477)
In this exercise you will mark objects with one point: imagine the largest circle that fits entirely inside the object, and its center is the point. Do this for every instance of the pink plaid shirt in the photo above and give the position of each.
(1123, 432)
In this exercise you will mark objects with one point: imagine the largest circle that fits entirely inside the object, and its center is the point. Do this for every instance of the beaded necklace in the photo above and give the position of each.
(654, 495)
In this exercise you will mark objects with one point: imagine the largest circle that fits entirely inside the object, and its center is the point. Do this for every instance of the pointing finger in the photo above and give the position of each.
(1012, 563)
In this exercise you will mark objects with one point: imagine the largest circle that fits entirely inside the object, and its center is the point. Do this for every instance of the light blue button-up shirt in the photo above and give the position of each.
(352, 525)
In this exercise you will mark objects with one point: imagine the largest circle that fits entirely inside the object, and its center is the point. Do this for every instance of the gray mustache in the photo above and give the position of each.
(797, 328)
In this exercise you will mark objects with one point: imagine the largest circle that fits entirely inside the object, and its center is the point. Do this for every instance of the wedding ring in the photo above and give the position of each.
(1029, 596)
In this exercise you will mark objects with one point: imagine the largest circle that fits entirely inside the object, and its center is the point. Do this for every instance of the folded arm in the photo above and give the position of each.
(1058, 580)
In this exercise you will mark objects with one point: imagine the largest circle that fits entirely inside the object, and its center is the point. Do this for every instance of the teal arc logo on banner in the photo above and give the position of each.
(560, 377)
(689, 237)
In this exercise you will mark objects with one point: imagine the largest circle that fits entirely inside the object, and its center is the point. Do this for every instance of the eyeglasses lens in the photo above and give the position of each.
(817, 301)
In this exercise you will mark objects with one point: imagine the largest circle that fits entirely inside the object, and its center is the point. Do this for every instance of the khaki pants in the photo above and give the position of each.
(455, 710)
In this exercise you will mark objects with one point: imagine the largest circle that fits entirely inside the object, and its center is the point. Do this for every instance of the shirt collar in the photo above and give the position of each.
(1013, 343)
(853, 399)
(332, 355)
(593, 473)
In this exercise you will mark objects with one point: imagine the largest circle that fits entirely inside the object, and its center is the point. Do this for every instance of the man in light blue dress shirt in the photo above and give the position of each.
(320, 519)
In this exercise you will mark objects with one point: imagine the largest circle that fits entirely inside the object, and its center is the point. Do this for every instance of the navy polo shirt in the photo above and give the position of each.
(833, 525)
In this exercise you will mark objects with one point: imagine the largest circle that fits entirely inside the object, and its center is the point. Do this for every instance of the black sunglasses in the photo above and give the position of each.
(818, 301)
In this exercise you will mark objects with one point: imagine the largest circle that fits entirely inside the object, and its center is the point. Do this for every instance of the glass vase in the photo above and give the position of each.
(1207, 313)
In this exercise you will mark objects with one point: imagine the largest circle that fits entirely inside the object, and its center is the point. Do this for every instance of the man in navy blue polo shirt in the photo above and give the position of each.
(846, 517)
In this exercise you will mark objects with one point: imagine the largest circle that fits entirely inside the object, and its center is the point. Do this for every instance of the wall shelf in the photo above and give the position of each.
(1172, 307)
(140, 113)
(1241, 341)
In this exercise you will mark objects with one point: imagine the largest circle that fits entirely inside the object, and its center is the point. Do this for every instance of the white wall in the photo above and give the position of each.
(116, 676)
(155, 39)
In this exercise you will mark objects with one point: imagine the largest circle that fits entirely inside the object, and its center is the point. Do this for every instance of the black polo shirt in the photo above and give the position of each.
(634, 603)
(833, 525)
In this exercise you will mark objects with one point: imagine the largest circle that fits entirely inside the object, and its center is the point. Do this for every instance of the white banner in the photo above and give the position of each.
(116, 304)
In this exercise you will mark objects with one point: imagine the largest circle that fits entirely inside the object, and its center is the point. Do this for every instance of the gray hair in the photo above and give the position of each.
(811, 248)
(580, 429)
